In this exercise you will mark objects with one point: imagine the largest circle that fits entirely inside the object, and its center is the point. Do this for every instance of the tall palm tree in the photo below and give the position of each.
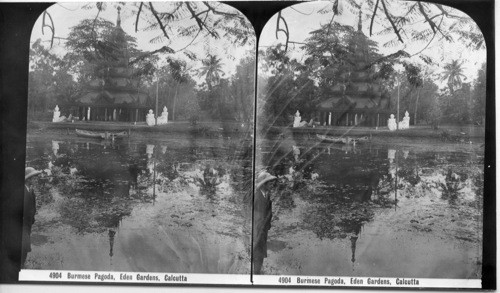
(453, 75)
(180, 74)
(212, 70)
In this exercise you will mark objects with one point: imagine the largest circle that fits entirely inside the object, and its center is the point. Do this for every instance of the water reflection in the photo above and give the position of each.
(360, 200)
(158, 206)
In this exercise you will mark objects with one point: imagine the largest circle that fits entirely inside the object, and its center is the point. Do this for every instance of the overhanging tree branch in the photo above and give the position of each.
(51, 26)
(430, 41)
(194, 38)
(392, 22)
(137, 18)
(398, 54)
(373, 17)
(431, 23)
(147, 54)
(220, 12)
(278, 29)
(159, 20)
(201, 23)
(442, 9)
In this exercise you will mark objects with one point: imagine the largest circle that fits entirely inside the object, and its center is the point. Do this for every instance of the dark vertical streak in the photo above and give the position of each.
(254, 148)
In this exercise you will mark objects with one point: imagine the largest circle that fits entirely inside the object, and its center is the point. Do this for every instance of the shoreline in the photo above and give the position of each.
(216, 130)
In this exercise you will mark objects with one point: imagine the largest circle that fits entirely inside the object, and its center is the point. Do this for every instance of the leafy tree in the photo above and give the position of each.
(180, 75)
(330, 55)
(211, 70)
(411, 83)
(173, 20)
(98, 41)
(230, 98)
(435, 113)
(453, 75)
(331, 44)
(50, 82)
(479, 96)
(396, 19)
(102, 45)
(284, 89)
(427, 94)
(243, 89)
(174, 85)
(415, 78)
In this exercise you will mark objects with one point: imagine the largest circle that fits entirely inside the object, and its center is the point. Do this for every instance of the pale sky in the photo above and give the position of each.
(301, 19)
(304, 18)
(67, 15)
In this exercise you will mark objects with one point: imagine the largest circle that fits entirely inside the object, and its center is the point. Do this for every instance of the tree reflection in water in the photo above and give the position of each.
(112, 189)
(340, 189)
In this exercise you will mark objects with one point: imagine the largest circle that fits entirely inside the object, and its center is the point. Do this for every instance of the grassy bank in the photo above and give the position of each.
(449, 132)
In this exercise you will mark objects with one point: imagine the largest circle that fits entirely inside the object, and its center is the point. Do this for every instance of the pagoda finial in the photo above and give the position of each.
(118, 20)
(353, 248)
(359, 21)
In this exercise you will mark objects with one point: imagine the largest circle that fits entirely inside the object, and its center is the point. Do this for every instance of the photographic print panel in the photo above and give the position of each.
(139, 141)
(371, 138)
(17, 21)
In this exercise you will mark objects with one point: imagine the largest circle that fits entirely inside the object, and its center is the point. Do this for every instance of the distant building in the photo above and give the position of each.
(360, 98)
(115, 94)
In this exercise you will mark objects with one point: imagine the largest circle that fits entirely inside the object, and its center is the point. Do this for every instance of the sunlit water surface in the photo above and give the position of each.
(171, 206)
(375, 210)
(177, 206)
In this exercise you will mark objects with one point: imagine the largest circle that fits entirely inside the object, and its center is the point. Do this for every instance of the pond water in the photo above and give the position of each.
(180, 206)
(375, 210)
(157, 206)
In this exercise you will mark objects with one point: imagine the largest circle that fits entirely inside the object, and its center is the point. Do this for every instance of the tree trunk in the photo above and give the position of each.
(209, 83)
(416, 106)
(175, 99)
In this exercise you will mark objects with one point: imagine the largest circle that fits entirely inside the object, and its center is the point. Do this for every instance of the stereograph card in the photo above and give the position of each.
(331, 144)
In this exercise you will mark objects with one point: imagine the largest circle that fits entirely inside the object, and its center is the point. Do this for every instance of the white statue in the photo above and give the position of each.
(55, 118)
(57, 114)
(150, 118)
(405, 124)
(391, 123)
(163, 119)
(297, 120)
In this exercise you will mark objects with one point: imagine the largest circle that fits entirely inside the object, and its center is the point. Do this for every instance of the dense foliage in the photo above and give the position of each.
(328, 54)
(94, 45)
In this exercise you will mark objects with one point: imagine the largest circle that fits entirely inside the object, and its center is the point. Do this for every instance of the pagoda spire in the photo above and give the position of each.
(353, 248)
(111, 235)
(118, 20)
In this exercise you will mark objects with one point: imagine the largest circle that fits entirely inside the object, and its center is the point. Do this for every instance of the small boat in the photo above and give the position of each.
(331, 138)
(101, 134)
(343, 140)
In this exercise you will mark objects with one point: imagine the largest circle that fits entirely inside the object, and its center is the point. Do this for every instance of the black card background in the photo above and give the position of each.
(16, 23)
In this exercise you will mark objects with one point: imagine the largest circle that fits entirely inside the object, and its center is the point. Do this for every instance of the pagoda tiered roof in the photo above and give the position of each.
(116, 84)
(358, 88)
